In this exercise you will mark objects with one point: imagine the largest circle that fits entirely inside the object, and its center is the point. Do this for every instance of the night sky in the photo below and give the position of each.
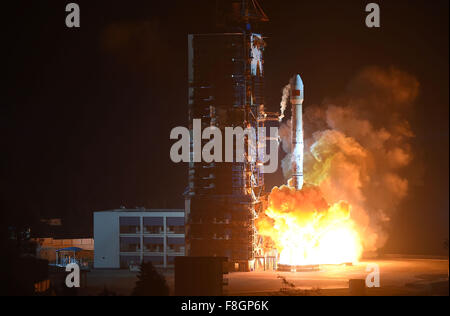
(87, 112)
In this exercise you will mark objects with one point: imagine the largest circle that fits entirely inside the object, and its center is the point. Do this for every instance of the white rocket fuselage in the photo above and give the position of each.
(297, 97)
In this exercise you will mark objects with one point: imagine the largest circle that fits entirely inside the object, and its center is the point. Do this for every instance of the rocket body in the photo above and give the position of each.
(297, 97)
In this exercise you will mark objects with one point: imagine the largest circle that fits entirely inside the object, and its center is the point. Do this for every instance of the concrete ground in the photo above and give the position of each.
(397, 277)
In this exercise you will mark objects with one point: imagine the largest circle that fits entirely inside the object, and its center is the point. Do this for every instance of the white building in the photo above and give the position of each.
(123, 237)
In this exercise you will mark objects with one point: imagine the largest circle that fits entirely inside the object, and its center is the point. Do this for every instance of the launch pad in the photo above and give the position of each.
(295, 268)
(398, 276)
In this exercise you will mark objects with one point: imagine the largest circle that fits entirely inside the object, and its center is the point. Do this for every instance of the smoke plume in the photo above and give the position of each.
(358, 148)
(284, 101)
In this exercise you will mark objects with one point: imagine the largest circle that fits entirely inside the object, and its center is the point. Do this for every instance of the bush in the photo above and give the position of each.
(150, 282)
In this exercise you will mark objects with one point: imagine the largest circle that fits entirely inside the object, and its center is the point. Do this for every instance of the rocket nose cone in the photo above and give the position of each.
(298, 83)
(297, 88)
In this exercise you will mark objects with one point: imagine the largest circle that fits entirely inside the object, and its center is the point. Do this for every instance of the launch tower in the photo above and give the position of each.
(226, 77)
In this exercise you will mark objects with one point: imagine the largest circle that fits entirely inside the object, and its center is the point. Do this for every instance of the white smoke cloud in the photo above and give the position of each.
(358, 148)
(284, 100)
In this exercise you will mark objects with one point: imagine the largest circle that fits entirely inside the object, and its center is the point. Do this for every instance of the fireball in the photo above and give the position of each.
(306, 230)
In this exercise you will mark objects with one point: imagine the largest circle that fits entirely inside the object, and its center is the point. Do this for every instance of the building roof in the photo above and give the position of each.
(73, 249)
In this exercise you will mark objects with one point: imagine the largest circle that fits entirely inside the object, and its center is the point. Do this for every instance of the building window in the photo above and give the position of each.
(175, 225)
(175, 245)
(130, 244)
(152, 244)
(130, 225)
(175, 229)
(153, 229)
(175, 248)
(153, 225)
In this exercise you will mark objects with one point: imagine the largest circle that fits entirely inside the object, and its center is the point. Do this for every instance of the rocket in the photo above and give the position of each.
(297, 96)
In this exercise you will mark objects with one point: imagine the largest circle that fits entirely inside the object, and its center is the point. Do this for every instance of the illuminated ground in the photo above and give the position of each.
(398, 277)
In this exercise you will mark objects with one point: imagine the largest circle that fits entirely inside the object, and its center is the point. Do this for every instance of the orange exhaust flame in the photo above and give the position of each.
(306, 230)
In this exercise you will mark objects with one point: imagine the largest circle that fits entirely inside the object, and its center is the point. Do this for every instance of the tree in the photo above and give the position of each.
(150, 282)
(19, 269)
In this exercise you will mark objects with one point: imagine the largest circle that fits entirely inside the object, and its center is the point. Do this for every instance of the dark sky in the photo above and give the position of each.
(87, 112)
